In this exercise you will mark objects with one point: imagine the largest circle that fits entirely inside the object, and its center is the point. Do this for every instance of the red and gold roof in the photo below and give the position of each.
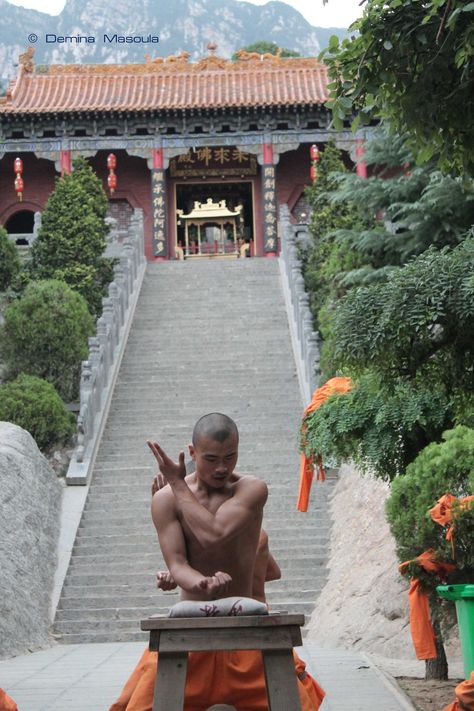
(171, 83)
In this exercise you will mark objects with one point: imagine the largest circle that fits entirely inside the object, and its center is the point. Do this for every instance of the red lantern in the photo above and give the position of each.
(312, 172)
(19, 185)
(314, 152)
(112, 182)
(112, 179)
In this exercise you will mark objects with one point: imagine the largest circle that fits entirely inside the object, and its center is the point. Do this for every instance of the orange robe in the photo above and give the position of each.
(234, 678)
(464, 695)
(422, 632)
(334, 385)
(6, 702)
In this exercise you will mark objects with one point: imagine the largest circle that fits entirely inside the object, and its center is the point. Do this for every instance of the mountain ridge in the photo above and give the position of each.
(184, 25)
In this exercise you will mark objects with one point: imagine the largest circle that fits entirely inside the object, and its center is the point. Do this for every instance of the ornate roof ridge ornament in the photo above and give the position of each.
(180, 63)
(26, 61)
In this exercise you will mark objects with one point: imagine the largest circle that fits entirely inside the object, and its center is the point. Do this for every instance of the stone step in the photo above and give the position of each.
(118, 635)
(71, 604)
(147, 556)
(125, 564)
(139, 586)
(139, 548)
(128, 619)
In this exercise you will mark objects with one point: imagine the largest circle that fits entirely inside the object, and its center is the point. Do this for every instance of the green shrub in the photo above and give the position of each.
(34, 404)
(440, 468)
(72, 238)
(9, 260)
(45, 334)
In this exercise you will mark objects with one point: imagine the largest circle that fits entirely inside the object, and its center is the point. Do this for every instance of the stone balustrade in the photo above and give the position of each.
(106, 348)
(305, 339)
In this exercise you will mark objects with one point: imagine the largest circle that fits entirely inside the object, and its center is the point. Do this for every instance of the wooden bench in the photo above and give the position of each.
(275, 635)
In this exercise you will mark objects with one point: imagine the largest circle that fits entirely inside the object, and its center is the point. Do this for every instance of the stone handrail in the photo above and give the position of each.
(99, 371)
(305, 340)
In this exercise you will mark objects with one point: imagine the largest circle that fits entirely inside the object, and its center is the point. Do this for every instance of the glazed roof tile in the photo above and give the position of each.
(165, 84)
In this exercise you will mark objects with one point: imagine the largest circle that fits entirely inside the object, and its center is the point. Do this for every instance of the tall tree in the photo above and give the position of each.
(413, 64)
(72, 238)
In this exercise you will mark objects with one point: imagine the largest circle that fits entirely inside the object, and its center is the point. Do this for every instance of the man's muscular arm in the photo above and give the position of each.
(230, 518)
(173, 547)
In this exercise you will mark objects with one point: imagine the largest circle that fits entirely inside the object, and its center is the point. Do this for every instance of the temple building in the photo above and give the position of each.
(207, 150)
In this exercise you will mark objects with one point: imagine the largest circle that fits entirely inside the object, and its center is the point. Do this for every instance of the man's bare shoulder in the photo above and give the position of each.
(250, 485)
(163, 503)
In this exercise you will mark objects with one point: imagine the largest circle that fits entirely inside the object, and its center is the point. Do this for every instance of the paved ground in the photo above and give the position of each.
(87, 677)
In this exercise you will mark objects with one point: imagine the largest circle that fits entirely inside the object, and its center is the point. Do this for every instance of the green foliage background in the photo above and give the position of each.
(442, 467)
(45, 334)
(34, 404)
(9, 260)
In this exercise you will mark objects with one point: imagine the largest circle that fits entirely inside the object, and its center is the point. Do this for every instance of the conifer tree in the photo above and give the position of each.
(9, 260)
(72, 238)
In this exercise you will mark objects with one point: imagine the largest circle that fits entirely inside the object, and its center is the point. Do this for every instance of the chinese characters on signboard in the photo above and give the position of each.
(158, 190)
(223, 161)
(269, 209)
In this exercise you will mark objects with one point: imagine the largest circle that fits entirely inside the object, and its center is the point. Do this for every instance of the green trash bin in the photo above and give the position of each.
(463, 596)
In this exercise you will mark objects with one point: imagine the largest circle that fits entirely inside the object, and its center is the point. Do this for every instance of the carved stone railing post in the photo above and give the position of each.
(305, 340)
(99, 371)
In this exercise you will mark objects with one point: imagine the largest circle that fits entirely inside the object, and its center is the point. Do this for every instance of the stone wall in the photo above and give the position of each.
(30, 498)
(364, 604)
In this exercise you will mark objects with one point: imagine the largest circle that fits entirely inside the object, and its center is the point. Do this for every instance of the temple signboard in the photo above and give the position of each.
(224, 161)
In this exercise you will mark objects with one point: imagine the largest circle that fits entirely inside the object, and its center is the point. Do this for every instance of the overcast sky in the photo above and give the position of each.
(337, 13)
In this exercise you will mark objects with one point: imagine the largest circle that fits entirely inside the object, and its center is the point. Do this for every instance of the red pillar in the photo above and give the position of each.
(66, 164)
(270, 235)
(361, 167)
(158, 200)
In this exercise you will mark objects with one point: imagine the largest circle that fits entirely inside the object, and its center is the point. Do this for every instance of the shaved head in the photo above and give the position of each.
(215, 425)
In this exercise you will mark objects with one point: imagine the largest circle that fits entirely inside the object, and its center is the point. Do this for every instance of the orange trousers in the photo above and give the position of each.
(235, 678)
(464, 695)
(6, 702)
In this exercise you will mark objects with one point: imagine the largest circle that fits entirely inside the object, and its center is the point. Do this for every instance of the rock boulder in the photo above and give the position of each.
(30, 499)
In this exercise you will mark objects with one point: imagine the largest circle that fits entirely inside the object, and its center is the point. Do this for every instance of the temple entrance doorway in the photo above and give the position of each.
(214, 219)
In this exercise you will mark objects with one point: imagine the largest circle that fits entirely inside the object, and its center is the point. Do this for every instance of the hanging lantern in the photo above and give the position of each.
(19, 184)
(112, 179)
(314, 152)
(312, 172)
(112, 182)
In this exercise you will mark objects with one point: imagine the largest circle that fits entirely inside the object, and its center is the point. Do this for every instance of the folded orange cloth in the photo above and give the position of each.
(236, 678)
(333, 386)
(422, 632)
(7, 703)
(464, 695)
(442, 513)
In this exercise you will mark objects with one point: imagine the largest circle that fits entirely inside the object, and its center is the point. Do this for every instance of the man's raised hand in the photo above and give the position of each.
(171, 471)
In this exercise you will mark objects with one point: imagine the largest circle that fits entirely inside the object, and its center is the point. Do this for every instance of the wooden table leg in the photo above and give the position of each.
(280, 678)
(170, 681)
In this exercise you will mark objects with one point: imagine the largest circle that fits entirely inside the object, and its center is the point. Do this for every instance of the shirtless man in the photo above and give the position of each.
(209, 528)
(209, 523)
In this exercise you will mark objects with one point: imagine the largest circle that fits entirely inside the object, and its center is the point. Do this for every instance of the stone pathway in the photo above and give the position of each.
(88, 677)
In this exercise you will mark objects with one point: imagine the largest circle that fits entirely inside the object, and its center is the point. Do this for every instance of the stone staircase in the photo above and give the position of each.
(207, 336)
